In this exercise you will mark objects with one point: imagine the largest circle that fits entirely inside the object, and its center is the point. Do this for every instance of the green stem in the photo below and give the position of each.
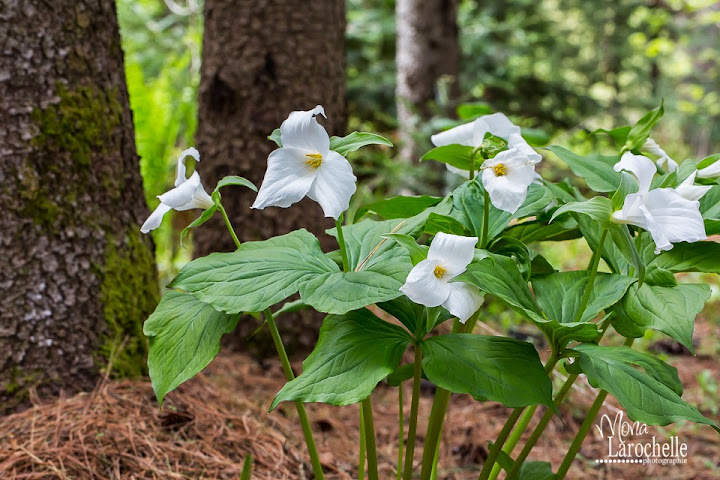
(593, 273)
(229, 225)
(341, 242)
(361, 455)
(412, 426)
(434, 474)
(514, 437)
(372, 465)
(486, 220)
(584, 429)
(494, 452)
(401, 422)
(289, 375)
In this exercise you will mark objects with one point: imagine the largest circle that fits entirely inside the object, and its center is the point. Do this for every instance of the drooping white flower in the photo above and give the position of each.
(711, 171)
(187, 194)
(507, 176)
(305, 165)
(689, 191)
(664, 212)
(664, 160)
(429, 281)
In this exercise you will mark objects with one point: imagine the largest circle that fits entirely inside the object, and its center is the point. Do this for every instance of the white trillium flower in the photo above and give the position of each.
(187, 194)
(664, 161)
(711, 171)
(506, 177)
(305, 165)
(428, 283)
(689, 191)
(664, 212)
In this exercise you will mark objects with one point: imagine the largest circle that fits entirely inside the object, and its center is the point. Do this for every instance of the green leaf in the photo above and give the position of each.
(540, 231)
(458, 156)
(341, 292)
(559, 294)
(470, 111)
(247, 468)
(417, 253)
(528, 470)
(275, 137)
(597, 170)
(707, 161)
(399, 207)
(640, 132)
(536, 137)
(289, 307)
(597, 208)
(446, 224)
(235, 180)
(184, 338)
(416, 318)
(491, 368)
(515, 249)
(354, 352)
(401, 374)
(690, 257)
(619, 135)
(355, 141)
(621, 239)
(256, 275)
(628, 185)
(204, 217)
(645, 396)
(710, 204)
(671, 310)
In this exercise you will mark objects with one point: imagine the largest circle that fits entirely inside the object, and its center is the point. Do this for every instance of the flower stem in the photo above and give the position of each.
(412, 426)
(229, 225)
(494, 452)
(361, 456)
(341, 242)
(486, 220)
(584, 429)
(593, 273)
(372, 465)
(401, 422)
(514, 437)
(289, 375)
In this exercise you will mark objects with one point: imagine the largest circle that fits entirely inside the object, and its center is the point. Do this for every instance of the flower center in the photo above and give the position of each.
(314, 159)
(499, 170)
(439, 271)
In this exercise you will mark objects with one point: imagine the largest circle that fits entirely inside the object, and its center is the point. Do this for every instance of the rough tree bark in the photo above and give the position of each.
(263, 59)
(77, 277)
(427, 49)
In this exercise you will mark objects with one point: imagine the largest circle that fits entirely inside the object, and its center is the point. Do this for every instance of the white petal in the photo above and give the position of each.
(664, 160)
(452, 252)
(155, 218)
(672, 218)
(463, 301)
(302, 131)
(508, 192)
(464, 134)
(183, 194)
(631, 212)
(287, 180)
(711, 171)
(642, 167)
(517, 141)
(334, 185)
(500, 125)
(423, 287)
(190, 152)
(689, 191)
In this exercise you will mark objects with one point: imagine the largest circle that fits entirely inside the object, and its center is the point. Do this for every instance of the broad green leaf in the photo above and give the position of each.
(354, 352)
(536, 137)
(690, 257)
(458, 156)
(539, 265)
(416, 318)
(540, 231)
(399, 207)
(446, 224)
(355, 141)
(184, 338)
(235, 180)
(288, 307)
(491, 368)
(559, 294)
(597, 170)
(256, 275)
(470, 111)
(671, 310)
(621, 239)
(515, 249)
(707, 161)
(597, 208)
(628, 185)
(341, 292)
(619, 135)
(275, 137)
(611, 253)
(401, 374)
(644, 395)
(417, 253)
(204, 217)
(640, 132)
(528, 470)
(712, 227)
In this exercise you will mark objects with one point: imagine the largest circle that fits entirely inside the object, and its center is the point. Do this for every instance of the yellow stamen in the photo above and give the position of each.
(439, 271)
(500, 170)
(315, 159)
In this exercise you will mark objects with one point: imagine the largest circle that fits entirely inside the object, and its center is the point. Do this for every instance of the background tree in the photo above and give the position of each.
(262, 60)
(428, 60)
(77, 275)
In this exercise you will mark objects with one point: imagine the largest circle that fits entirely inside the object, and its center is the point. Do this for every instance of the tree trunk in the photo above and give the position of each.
(78, 278)
(427, 50)
(263, 59)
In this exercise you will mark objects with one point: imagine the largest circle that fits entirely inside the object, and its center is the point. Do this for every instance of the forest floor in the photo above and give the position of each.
(209, 424)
